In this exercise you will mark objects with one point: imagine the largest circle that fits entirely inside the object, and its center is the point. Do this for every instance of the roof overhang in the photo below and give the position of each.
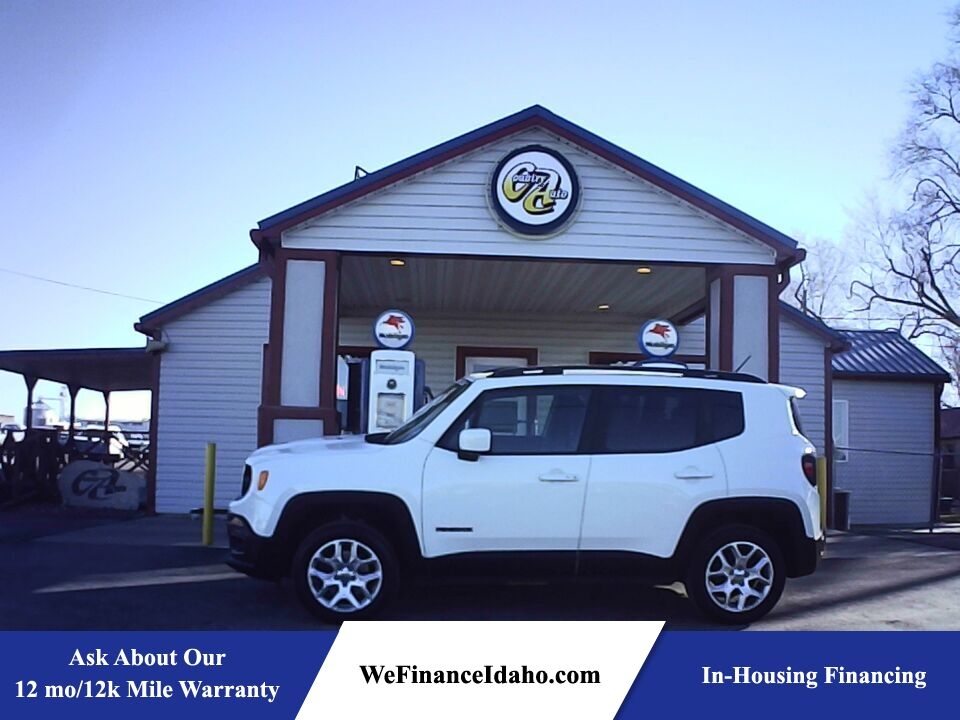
(103, 369)
(268, 231)
(151, 323)
(832, 338)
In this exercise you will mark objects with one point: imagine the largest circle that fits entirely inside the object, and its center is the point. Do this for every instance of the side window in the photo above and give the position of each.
(526, 421)
(662, 419)
(841, 430)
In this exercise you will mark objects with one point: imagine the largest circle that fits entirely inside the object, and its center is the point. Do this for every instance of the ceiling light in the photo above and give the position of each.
(603, 306)
(398, 262)
(644, 270)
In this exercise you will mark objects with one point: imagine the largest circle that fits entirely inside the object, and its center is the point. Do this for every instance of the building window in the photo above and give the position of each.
(483, 359)
(841, 430)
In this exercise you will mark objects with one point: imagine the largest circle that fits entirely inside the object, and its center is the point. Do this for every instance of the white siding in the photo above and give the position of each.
(750, 324)
(210, 377)
(444, 210)
(893, 483)
(802, 365)
(563, 341)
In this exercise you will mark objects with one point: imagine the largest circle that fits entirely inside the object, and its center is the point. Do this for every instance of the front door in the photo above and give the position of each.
(527, 493)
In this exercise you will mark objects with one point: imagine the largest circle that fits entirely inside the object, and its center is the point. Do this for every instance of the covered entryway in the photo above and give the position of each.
(31, 460)
(473, 313)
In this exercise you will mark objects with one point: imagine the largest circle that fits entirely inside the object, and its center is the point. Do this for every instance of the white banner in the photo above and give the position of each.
(574, 670)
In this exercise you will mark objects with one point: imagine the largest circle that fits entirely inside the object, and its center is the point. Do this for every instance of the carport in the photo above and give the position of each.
(30, 466)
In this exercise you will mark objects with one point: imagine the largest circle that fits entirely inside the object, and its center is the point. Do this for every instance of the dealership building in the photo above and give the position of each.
(528, 241)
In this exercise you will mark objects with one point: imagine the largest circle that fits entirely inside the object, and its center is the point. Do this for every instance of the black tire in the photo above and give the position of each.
(754, 608)
(383, 592)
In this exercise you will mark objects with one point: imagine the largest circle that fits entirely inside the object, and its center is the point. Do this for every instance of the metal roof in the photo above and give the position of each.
(103, 369)
(885, 354)
(819, 328)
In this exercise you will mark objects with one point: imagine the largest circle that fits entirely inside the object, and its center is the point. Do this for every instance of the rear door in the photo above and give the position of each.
(654, 458)
(527, 493)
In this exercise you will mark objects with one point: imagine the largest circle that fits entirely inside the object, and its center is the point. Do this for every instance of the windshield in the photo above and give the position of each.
(425, 415)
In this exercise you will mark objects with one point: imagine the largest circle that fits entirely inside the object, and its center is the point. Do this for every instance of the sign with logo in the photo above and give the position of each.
(658, 338)
(84, 483)
(393, 330)
(534, 191)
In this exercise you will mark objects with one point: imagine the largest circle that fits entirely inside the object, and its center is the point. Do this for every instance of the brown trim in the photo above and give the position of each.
(603, 357)
(937, 457)
(773, 328)
(273, 360)
(360, 351)
(691, 312)
(726, 320)
(267, 414)
(154, 433)
(828, 427)
(531, 355)
(329, 340)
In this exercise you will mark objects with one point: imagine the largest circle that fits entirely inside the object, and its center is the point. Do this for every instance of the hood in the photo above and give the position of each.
(313, 445)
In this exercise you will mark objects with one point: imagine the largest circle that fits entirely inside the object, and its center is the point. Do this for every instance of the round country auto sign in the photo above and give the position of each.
(393, 330)
(658, 338)
(534, 191)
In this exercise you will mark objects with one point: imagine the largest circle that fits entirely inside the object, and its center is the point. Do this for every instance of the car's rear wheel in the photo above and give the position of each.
(345, 571)
(736, 575)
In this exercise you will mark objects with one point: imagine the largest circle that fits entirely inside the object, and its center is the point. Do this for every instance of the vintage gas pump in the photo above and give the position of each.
(392, 376)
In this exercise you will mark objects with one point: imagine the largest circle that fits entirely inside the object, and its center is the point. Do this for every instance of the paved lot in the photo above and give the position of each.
(67, 572)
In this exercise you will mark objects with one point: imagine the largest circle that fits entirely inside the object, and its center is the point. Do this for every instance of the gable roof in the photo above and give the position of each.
(149, 323)
(832, 337)
(269, 229)
(885, 355)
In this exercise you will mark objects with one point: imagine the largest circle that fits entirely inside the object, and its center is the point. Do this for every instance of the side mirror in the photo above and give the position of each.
(473, 442)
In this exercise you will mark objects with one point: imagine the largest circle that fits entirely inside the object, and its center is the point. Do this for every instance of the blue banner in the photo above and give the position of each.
(269, 674)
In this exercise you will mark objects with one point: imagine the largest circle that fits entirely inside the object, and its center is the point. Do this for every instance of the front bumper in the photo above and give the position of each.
(256, 556)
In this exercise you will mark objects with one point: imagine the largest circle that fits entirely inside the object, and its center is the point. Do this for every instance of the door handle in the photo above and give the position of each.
(555, 476)
(692, 473)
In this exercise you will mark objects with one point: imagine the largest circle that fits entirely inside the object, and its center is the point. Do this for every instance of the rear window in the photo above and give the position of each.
(660, 420)
(795, 412)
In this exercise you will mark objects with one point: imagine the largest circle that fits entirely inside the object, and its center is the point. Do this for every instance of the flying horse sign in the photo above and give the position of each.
(534, 191)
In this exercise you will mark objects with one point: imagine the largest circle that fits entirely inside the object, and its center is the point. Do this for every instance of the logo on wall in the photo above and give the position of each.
(534, 191)
(393, 330)
(658, 338)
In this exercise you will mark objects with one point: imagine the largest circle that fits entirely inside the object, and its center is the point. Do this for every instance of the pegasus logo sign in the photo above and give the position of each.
(658, 338)
(534, 191)
(393, 330)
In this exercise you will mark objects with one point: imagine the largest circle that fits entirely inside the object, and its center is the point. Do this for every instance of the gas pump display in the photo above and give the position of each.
(393, 377)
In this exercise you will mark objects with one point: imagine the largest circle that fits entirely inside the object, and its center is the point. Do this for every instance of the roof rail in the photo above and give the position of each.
(653, 370)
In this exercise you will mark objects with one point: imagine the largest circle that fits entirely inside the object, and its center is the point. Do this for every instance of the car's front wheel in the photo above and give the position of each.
(736, 575)
(344, 571)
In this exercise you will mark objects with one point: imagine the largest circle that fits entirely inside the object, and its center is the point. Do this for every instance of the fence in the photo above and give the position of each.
(31, 460)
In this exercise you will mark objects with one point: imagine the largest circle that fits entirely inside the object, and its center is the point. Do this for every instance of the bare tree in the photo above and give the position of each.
(821, 290)
(911, 270)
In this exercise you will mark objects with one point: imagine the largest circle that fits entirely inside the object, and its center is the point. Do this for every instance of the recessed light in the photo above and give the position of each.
(644, 270)
(603, 306)
(398, 262)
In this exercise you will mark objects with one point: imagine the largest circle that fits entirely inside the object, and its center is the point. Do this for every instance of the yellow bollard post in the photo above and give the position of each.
(208, 481)
(822, 490)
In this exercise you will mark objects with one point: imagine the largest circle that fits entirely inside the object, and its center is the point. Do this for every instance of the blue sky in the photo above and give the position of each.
(140, 141)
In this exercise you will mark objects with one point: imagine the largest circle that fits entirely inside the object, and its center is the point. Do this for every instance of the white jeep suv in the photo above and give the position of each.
(661, 474)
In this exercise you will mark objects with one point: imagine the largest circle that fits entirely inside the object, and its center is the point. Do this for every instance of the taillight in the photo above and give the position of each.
(809, 464)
